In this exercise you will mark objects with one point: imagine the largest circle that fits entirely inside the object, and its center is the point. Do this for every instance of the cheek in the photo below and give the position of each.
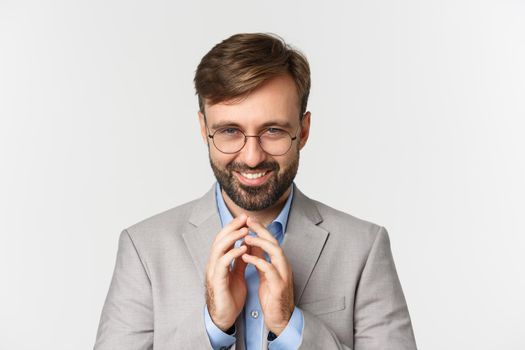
(285, 161)
(219, 158)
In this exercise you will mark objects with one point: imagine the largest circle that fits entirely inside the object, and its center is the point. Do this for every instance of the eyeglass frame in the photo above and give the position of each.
(292, 139)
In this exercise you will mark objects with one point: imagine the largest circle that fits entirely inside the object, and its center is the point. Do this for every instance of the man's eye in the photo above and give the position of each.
(229, 131)
(275, 131)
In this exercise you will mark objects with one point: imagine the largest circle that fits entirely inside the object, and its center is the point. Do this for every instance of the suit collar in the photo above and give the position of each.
(204, 208)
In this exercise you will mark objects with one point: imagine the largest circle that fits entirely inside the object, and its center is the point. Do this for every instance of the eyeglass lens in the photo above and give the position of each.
(273, 141)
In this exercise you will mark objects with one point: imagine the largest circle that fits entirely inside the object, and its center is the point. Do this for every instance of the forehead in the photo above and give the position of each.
(274, 101)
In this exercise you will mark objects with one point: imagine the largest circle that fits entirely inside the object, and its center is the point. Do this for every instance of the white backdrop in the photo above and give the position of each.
(417, 124)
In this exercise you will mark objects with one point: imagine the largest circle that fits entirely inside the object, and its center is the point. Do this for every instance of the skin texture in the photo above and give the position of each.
(275, 101)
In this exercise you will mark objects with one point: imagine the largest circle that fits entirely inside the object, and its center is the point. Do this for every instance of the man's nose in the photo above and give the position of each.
(252, 154)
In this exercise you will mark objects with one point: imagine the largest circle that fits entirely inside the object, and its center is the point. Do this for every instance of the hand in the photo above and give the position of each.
(276, 293)
(225, 288)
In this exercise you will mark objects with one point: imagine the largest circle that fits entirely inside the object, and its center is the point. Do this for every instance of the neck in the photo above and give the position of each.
(265, 216)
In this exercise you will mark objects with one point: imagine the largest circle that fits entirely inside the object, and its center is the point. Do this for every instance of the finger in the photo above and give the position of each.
(227, 241)
(223, 264)
(258, 252)
(264, 267)
(274, 251)
(233, 225)
(220, 247)
(239, 265)
(260, 230)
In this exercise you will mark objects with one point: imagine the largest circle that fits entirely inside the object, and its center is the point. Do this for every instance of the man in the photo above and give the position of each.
(254, 263)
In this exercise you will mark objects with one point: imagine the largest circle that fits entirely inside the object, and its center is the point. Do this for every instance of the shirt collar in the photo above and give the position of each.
(226, 216)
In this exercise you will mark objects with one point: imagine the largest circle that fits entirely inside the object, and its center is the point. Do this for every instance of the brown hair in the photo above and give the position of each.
(238, 65)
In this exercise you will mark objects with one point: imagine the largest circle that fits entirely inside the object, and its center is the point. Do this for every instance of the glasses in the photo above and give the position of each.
(273, 141)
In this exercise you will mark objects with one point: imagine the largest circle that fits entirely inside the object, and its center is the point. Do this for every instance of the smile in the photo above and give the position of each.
(253, 179)
(253, 175)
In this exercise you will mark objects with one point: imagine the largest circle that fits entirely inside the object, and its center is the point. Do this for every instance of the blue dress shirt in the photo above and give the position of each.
(253, 317)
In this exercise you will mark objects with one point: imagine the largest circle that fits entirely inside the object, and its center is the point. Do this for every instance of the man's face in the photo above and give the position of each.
(275, 104)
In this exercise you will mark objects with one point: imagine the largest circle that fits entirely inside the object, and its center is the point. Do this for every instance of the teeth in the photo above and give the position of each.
(252, 176)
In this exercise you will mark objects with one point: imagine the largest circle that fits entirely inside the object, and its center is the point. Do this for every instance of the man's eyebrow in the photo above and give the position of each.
(225, 123)
(283, 124)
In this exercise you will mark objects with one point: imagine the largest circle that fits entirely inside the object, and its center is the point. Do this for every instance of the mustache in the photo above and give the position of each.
(264, 166)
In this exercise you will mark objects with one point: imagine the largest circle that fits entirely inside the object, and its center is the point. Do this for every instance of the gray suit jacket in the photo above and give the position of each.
(345, 281)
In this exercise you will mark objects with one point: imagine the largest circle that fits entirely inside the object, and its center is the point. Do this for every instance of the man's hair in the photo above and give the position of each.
(240, 64)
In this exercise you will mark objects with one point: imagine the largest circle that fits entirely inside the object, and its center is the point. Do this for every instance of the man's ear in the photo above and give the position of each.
(202, 122)
(305, 130)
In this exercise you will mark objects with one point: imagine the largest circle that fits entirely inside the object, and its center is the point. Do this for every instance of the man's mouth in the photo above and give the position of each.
(253, 178)
(253, 175)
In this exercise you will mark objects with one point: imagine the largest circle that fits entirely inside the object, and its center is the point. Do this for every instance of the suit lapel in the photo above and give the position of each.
(206, 225)
(303, 241)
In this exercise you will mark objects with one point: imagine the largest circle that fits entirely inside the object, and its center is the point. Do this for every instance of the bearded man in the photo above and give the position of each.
(254, 264)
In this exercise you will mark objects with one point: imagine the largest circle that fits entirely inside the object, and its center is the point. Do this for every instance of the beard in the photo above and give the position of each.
(255, 198)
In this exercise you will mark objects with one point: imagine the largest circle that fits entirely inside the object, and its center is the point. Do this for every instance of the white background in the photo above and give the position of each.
(417, 124)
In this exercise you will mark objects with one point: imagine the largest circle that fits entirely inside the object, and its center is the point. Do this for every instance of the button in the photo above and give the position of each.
(254, 313)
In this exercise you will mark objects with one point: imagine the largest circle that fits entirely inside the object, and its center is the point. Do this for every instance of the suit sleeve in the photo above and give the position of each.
(126, 322)
(381, 318)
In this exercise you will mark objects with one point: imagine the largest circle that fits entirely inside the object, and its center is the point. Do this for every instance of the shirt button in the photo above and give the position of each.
(254, 313)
